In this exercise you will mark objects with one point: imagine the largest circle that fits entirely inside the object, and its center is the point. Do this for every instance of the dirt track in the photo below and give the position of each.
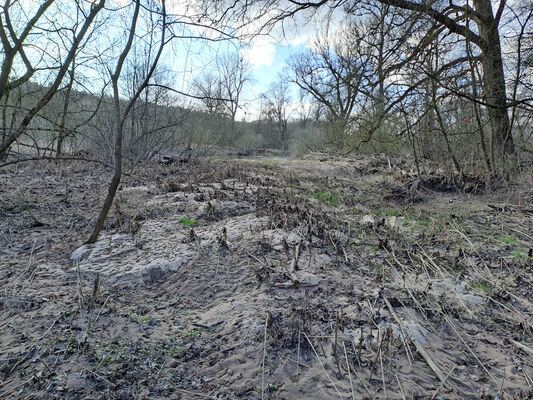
(263, 279)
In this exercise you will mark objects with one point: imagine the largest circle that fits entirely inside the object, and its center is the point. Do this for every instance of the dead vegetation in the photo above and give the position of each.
(264, 279)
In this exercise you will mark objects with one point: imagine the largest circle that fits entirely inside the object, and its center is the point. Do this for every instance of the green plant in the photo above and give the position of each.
(412, 218)
(211, 209)
(519, 255)
(389, 213)
(188, 222)
(507, 239)
(190, 334)
(110, 352)
(483, 288)
(175, 350)
(140, 319)
(329, 198)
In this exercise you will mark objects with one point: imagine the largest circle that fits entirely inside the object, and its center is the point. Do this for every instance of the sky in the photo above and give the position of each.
(267, 55)
(268, 62)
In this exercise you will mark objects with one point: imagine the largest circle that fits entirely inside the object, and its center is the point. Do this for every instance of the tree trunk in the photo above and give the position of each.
(62, 125)
(113, 186)
(494, 82)
(120, 118)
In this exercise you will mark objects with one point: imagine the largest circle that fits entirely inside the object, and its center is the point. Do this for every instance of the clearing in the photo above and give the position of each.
(264, 279)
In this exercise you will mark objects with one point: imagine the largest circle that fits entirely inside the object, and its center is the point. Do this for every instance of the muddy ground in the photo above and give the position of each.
(270, 279)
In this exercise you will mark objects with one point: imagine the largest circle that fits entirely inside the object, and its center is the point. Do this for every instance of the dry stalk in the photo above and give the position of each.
(9, 391)
(264, 356)
(378, 352)
(294, 361)
(79, 286)
(522, 347)
(381, 364)
(336, 333)
(439, 270)
(360, 347)
(442, 383)
(28, 268)
(362, 381)
(101, 309)
(411, 295)
(417, 345)
(450, 323)
(349, 372)
(298, 356)
(294, 263)
(96, 375)
(400, 386)
(322, 365)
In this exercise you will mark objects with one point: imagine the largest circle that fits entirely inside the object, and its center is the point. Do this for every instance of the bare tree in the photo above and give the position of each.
(121, 113)
(476, 22)
(208, 88)
(13, 44)
(62, 68)
(275, 103)
(234, 75)
(332, 75)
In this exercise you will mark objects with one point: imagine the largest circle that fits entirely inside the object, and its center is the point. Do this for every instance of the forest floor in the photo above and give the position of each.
(264, 279)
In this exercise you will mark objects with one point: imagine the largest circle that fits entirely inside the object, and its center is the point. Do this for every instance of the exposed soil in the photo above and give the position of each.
(269, 279)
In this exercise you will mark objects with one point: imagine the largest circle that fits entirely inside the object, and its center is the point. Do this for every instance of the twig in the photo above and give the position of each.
(442, 383)
(101, 309)
(382, 370)
(14, 281)
(160, 369)
(469, 349)
(298, 356)
(95, 374)
(54, 159)
(258, 260)
(400, 386)
(4, 394)
(362, 381)
(294, 284)
(203, 396)
(32, 347)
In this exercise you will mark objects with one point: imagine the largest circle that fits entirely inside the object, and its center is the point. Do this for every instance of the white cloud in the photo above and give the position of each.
(260, 52)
